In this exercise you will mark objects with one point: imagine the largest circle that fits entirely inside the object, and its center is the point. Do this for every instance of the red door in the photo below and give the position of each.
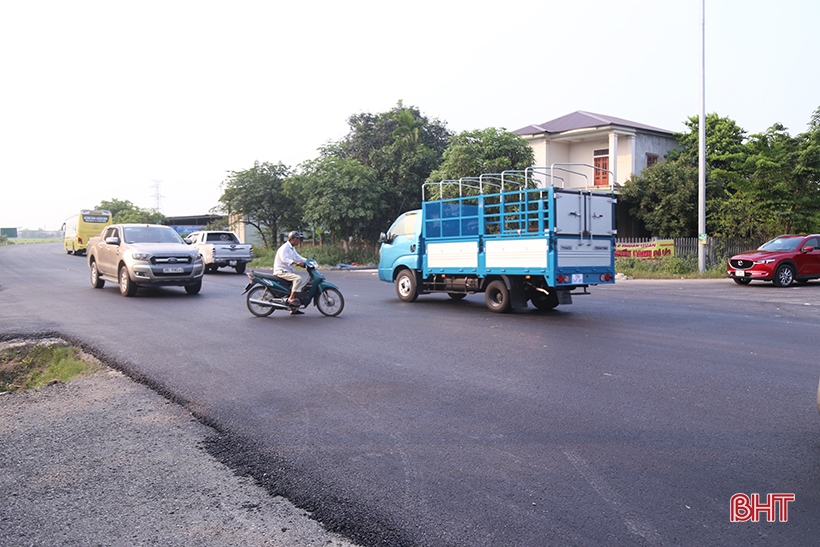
(601, 174)
(808, 263)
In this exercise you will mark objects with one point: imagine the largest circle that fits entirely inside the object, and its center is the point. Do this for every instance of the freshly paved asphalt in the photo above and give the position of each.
(628, 418)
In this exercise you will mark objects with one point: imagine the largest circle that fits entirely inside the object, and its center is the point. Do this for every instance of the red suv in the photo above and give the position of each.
(783, 260)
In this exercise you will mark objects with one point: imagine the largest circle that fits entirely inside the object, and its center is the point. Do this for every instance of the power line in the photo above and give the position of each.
(157, 195)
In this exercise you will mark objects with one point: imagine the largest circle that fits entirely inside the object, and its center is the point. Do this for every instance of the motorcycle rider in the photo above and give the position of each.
(286, 258)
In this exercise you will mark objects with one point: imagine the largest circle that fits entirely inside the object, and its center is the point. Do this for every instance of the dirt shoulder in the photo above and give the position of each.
(103, 460)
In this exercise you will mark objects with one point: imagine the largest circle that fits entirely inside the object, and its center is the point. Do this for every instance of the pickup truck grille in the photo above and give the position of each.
(171, 260)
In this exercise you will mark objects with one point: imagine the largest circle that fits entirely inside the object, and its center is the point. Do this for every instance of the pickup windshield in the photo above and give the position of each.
(151, 234)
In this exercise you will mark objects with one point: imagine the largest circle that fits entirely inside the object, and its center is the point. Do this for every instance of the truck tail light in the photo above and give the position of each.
(606, 277)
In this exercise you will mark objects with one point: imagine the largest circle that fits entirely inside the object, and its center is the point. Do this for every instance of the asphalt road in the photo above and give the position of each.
(628, 418)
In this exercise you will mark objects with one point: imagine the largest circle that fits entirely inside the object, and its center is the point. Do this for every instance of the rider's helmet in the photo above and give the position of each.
(295, 234)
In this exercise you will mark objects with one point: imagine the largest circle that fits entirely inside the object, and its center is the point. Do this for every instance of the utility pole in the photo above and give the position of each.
(702, 240)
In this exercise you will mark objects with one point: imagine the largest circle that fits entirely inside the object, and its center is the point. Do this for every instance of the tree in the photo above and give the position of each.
(341, 195)
(758, 187)
(775, 190)
(491, 150)
(123, 211)
(665, 198)
(724, 143)
(807, 167)
(257, 194)
(401, 146)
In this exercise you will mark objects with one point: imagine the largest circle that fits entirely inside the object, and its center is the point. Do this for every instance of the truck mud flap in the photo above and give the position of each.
(518, 296)
(564, 298)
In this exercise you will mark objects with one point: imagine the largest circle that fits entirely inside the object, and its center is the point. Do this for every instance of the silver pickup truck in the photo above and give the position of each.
(221, 249)
(149, 255)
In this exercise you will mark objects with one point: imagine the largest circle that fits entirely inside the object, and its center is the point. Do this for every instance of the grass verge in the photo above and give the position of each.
(33, 364)
(667, 268)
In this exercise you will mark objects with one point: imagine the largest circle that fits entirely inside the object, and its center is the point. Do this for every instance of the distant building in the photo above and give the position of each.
(613, 148)
(188, 224)
(246, 232)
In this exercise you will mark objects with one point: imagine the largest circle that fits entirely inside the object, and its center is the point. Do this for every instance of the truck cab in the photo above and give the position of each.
(400, 246)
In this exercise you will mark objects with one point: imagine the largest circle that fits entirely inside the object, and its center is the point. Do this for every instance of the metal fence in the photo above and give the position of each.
(718, 249)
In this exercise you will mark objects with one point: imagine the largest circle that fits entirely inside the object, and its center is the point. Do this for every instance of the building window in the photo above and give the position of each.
(651, 159)
(601, 163)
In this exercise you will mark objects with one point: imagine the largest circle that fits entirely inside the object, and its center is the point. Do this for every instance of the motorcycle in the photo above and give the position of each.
(268, 293)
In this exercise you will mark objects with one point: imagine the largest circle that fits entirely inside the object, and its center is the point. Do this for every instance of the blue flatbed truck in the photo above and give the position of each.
(505, 236)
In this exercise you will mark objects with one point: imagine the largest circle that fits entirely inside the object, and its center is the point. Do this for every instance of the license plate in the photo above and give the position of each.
(232, 263)
(173, 270)
(577, 279)
(740, 273)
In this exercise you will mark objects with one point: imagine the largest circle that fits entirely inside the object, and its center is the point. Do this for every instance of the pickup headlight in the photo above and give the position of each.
(197, 258)
(144, 257)
(765, 261)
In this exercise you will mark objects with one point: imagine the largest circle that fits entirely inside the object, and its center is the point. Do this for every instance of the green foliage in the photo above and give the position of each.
(491, 150)
(31, 366)
(665, 198)
(325, 255)
(765, 186)
(123, 211)
(258, 195)
(402, 147)
(776, 190)
(724, 143)
(342, 196)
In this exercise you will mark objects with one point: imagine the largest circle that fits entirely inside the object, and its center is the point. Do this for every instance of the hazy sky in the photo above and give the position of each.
(109, 99)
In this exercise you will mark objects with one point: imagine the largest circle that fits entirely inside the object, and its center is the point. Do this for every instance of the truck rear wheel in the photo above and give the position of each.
(544, 301)
(497, 297)
(406, 286)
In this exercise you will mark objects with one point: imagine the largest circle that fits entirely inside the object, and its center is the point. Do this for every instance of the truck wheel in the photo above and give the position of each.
(240, 268)
(406, 288)
(543, 301)
(497, 297)
(127, 287)
(195, 288)
(96, 281)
